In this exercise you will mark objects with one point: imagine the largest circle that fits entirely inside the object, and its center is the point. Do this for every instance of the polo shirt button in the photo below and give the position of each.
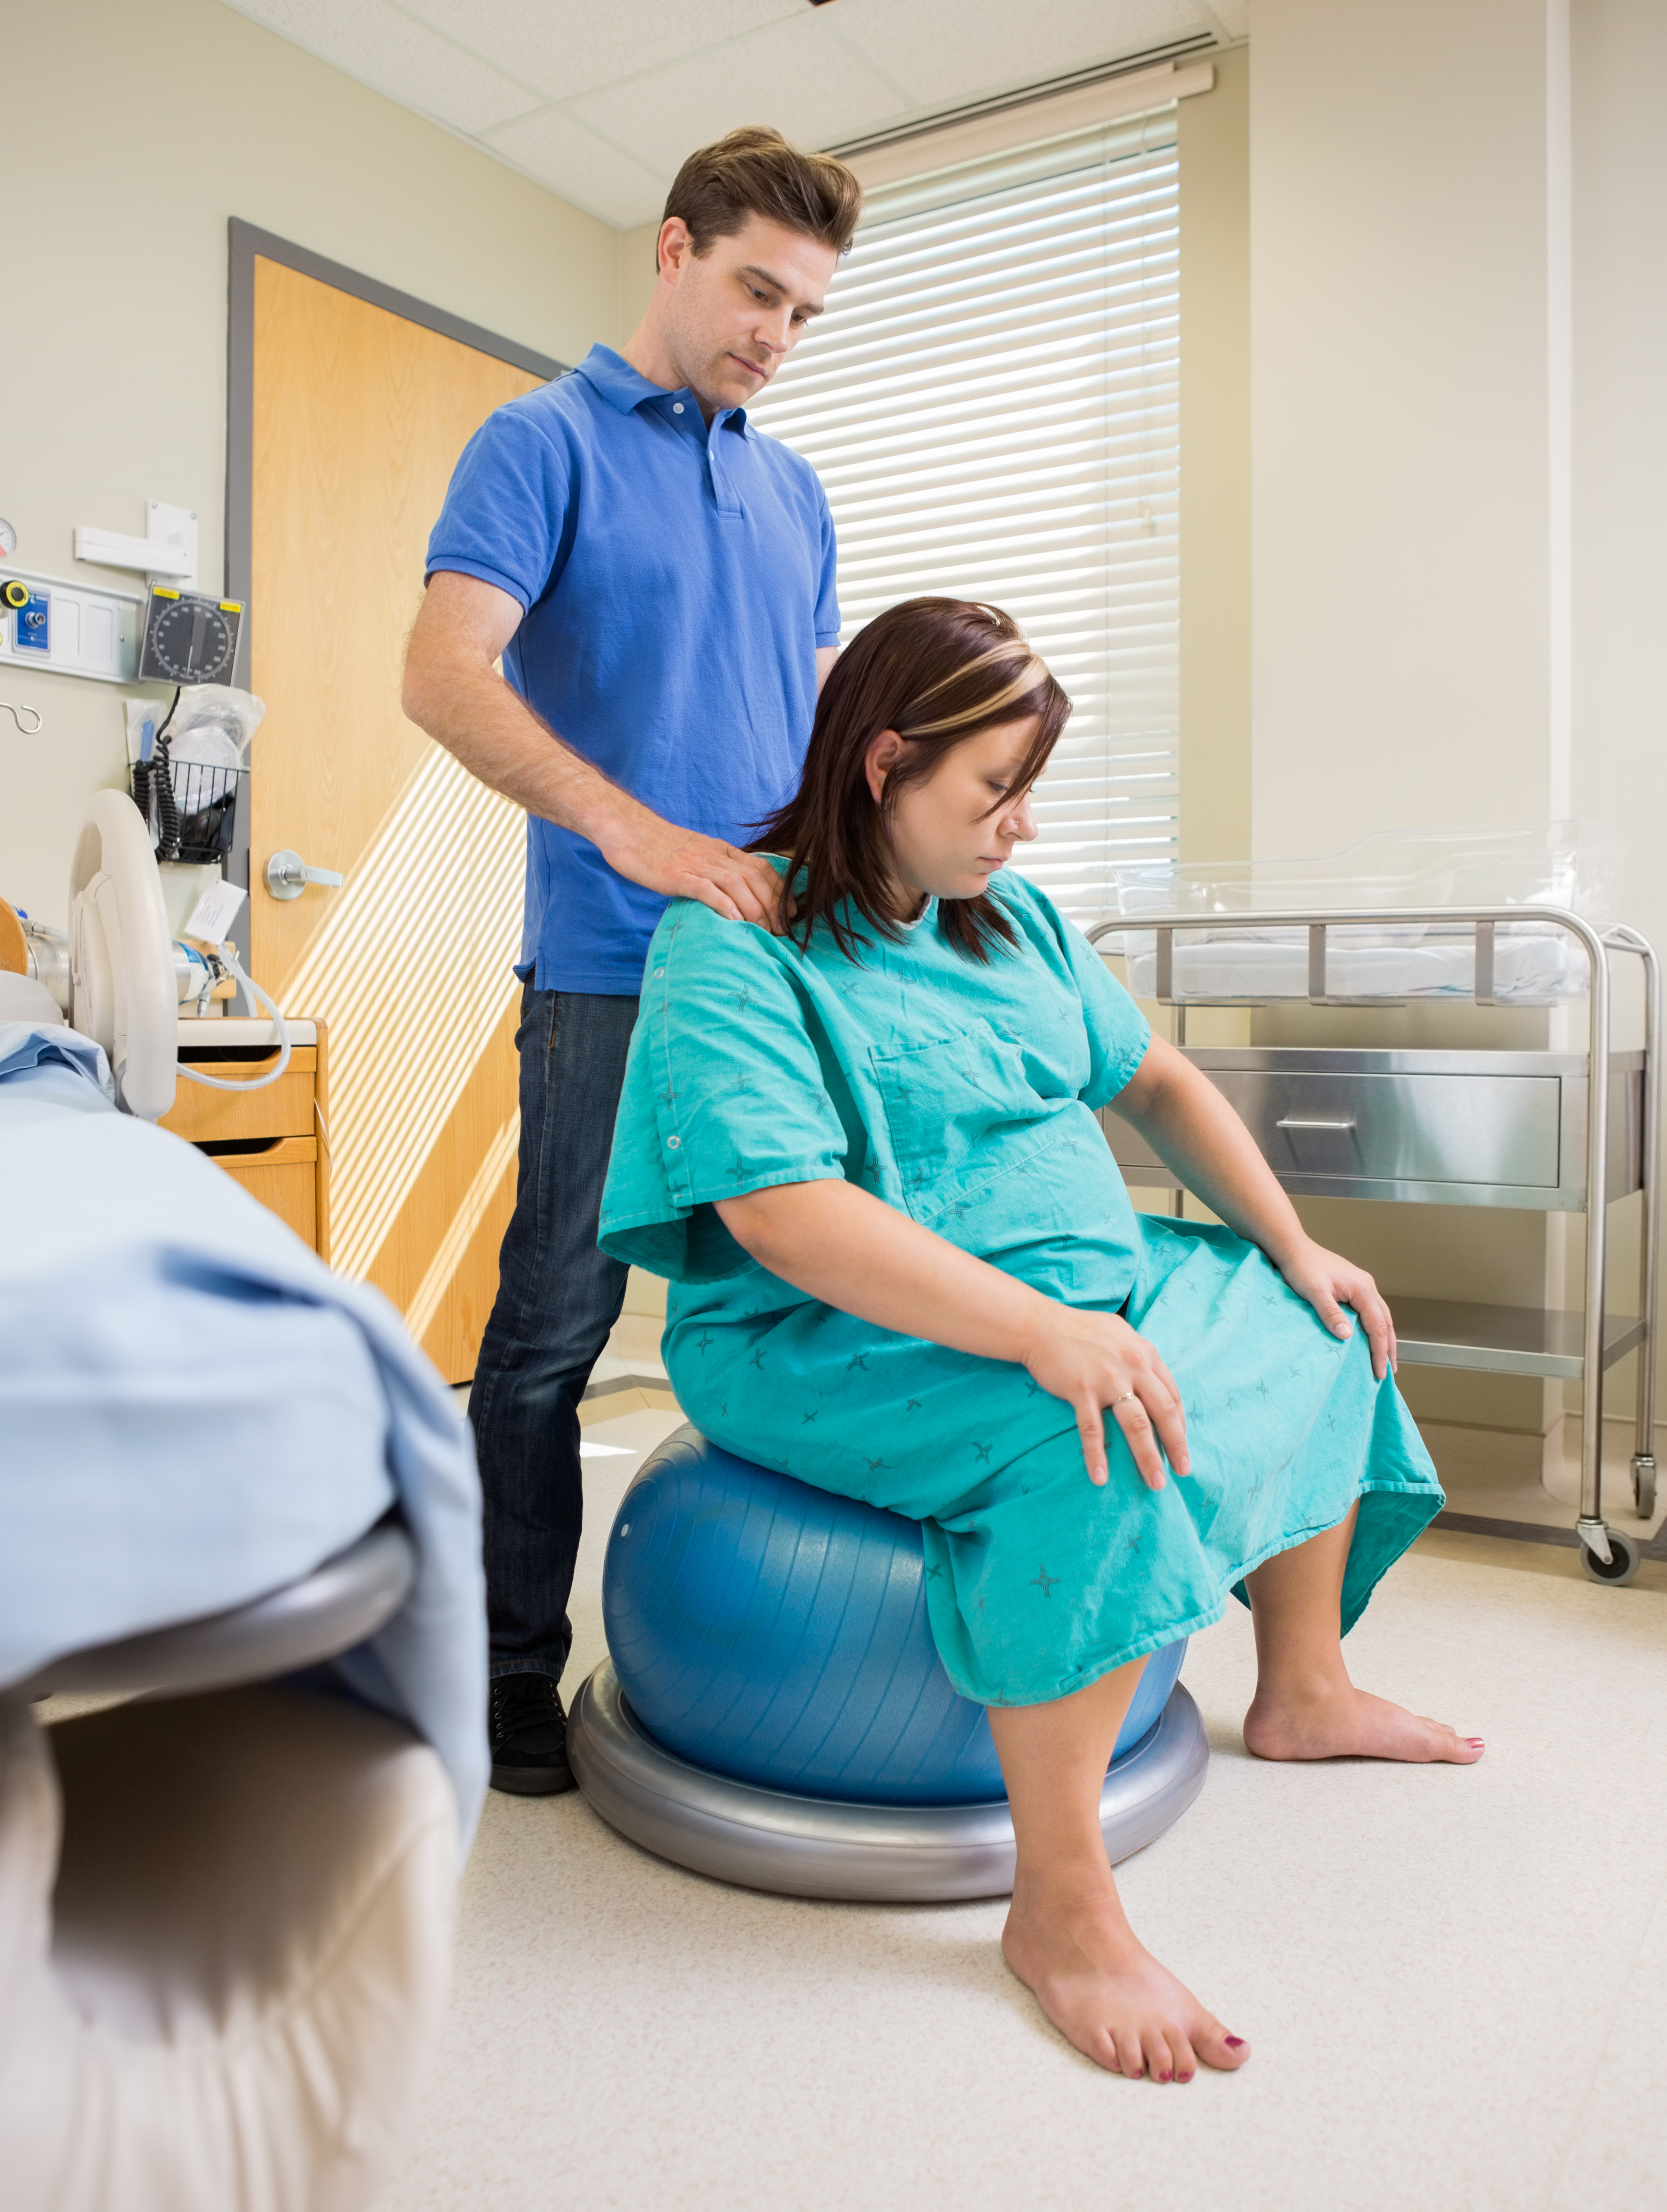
(676, 406)
(659, 972)
(672, 1143)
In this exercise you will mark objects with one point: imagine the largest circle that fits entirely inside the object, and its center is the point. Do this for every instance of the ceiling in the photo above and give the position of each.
(600, 100)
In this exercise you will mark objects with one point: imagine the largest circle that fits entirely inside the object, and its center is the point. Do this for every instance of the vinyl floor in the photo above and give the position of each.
(1455, 1981)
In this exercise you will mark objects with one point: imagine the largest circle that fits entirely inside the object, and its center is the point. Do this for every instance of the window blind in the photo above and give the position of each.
(991, 401)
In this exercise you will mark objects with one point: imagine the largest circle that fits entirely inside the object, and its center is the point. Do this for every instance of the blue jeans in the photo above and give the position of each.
(558, 1298)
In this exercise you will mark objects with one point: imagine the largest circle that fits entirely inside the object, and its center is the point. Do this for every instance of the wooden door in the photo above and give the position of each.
(359, 417)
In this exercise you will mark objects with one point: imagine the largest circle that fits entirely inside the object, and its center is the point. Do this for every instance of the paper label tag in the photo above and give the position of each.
(215, 912)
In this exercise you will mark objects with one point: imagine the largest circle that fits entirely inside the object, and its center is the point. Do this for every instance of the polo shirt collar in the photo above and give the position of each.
(626, 388)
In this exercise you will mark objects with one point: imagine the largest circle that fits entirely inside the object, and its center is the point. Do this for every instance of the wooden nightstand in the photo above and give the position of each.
(275, 1142)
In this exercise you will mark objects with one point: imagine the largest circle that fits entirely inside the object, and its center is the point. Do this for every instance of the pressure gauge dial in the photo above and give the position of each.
(188, 639)
(7, 539)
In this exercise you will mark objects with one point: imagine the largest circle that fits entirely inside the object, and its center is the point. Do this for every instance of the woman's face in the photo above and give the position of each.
(946, 840)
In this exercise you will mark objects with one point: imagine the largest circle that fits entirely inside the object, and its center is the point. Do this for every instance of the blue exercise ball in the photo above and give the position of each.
(776, 1633)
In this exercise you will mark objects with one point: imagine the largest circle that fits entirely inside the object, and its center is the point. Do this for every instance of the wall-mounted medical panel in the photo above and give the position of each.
(69, 629)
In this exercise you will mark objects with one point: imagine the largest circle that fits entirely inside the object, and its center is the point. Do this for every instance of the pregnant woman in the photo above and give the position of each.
(904, 1266)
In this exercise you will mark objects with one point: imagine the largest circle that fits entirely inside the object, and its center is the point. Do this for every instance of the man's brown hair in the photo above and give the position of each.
(938, 672)
(753, 171)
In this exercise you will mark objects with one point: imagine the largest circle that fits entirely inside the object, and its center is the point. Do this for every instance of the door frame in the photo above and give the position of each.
(247, 241)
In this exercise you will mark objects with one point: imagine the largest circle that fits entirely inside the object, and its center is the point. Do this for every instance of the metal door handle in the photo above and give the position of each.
(288, 875)
(1294, 1122)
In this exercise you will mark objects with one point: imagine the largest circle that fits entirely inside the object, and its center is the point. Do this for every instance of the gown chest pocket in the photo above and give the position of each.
(959, 1113)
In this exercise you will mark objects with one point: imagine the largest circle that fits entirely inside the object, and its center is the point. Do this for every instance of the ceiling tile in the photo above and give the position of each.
(569, 47)
(382, 46)
(793, 75)
(573, 162)
(1233, 16)
(941, 50)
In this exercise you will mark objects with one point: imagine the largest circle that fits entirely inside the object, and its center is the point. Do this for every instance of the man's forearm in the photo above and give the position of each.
(852, 1250)
(453, 690)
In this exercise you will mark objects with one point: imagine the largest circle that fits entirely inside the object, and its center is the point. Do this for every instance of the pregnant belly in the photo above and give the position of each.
(1068, 1187)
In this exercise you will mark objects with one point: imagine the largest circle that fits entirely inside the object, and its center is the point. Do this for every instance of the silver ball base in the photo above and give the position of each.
(820, 1847)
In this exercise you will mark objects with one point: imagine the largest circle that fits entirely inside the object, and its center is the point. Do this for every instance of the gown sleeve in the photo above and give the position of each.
(724, 1093)
(1118, 1032)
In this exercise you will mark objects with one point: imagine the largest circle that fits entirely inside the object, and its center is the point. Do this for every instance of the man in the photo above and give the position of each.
(658, 579)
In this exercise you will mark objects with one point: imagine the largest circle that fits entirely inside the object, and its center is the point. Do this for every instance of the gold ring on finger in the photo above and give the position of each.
(1125, 1398)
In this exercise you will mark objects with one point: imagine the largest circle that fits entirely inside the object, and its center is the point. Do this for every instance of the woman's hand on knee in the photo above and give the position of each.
(1098, 1364)
(1330, 1283)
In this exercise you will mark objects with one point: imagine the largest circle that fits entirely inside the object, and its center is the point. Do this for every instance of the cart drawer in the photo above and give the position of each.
(1401, 1128)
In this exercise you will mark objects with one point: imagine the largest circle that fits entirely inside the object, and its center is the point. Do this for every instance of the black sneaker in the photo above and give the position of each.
(528, 1731)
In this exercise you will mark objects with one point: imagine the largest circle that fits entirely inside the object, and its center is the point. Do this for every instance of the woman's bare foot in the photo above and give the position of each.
(1104, 1991)
(1332, 1719)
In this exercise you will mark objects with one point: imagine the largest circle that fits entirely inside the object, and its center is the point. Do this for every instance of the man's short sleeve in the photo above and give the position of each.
(828, 597)
(724, 1090)
(505, 515)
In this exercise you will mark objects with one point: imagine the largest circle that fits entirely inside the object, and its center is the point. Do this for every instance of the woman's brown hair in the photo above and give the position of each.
(938, 672)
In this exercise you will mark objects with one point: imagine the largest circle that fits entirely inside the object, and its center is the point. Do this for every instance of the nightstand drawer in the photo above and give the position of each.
(284, 1108)
(284, 1176)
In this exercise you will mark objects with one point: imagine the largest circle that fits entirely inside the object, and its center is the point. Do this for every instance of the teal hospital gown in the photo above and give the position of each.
(963, 1094)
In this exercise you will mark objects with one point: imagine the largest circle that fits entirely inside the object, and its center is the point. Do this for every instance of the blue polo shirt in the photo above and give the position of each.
(677, 581)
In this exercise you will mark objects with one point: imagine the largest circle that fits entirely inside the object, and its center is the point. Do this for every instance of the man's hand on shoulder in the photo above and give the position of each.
(453, 691)
(684, 864)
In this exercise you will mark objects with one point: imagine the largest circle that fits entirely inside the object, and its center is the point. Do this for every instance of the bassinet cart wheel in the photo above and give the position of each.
(1644, 1487)
(1622, 1565)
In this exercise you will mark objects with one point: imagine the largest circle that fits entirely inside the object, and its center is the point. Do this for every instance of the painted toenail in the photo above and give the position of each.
(1235, 2042)
(1165, 2077)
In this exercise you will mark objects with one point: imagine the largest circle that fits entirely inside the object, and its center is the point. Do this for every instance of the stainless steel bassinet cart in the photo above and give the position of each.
(1558, 1131)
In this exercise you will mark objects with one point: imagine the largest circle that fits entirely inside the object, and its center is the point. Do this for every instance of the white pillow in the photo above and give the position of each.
(23, 999)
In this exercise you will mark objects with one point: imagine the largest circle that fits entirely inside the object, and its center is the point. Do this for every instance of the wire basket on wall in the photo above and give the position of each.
(191, 807)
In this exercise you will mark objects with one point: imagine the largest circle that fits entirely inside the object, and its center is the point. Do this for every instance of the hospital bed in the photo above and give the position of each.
(239, 1508)
(1569, 1131)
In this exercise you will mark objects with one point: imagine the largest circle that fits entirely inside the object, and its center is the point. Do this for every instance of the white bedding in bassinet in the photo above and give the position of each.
(1575, 866)
(1531, 965)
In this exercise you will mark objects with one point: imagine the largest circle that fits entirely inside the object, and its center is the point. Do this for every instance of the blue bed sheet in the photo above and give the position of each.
(194, 1410)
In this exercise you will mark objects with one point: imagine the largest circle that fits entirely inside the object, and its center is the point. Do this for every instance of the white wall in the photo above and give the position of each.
(1398, 263)
(1459, 553)
(1619, 769)
(133, 134)
(1403, 512)
(1620, 661)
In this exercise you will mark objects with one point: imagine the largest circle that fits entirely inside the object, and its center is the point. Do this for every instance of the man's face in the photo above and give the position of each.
(735, 312)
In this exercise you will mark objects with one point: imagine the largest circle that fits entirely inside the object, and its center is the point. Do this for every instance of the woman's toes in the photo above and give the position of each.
(1181, 2054)
(1131, 2059)
(1219, 2049)
(1160, 2062)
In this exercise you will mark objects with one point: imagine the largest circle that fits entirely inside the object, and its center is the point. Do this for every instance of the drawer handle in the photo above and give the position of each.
(1295, 1121)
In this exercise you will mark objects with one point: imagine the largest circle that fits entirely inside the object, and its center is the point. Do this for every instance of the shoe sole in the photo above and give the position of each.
(532, 1781)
